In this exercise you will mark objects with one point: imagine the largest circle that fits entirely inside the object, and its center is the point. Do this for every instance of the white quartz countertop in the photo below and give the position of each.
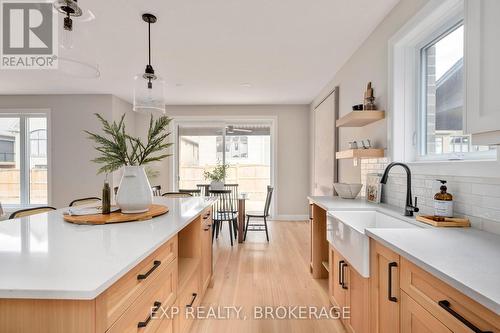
(467, 259)
(44, 257)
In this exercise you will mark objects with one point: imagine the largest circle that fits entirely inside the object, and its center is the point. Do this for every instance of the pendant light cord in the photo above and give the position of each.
(149, 41)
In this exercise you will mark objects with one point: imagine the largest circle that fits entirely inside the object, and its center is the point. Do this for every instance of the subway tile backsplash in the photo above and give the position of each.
(477, 198)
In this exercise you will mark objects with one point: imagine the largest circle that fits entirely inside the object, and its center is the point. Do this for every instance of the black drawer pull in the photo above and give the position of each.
(156, 263)
(207, 215)
(192, 301)
(447, 306)
(207, 227)
(341, 262)
(389, 284)
(344, 265)
(145, 323)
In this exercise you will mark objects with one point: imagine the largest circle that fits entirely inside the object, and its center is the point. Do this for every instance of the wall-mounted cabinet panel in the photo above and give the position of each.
(482, 54)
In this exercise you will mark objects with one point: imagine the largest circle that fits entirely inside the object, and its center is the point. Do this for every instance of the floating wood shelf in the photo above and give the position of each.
(359, 153)
(360, 118)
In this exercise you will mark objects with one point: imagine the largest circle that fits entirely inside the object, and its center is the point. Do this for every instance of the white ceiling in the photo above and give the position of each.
(209, 51)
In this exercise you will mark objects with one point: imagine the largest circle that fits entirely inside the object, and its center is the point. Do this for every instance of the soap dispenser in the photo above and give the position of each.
(443, 201)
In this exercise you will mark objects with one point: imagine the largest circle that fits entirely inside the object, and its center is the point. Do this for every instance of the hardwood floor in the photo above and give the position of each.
(258, 273)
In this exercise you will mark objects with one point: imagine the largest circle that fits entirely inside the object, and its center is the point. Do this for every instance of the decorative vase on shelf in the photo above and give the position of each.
(216, 185)
(134, 193)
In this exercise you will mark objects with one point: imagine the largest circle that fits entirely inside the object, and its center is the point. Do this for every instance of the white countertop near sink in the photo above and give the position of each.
(467, 259)
(44, 257)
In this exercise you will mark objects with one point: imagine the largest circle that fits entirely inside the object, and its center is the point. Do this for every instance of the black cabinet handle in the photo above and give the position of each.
(310, 212)
(145, 323)
(389, 287)
(344, 265)
(207, 215)
(156, 263)
(341, 263)
(192, 301)
(447, 306)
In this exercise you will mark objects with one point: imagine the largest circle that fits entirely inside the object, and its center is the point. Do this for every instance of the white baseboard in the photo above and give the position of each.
(290, 218)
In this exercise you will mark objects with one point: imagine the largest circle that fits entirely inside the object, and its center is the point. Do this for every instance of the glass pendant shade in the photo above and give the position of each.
(149, 98)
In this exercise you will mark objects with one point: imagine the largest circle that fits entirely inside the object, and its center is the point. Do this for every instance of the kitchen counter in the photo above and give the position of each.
(44, 257)
(467, 259)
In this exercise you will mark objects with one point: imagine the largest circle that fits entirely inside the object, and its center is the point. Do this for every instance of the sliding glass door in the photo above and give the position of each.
(244, 146)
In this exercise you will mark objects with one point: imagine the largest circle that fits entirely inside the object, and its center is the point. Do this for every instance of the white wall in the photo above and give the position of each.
(292, 184)
(72, 174)
(368, 63)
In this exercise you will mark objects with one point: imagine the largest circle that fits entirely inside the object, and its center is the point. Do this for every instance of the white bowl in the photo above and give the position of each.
(347, 191)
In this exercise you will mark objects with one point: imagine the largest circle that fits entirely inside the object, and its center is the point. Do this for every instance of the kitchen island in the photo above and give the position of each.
(61, 277)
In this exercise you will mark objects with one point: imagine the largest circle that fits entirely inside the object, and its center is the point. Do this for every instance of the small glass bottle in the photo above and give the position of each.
(443, 201)
(106, 198)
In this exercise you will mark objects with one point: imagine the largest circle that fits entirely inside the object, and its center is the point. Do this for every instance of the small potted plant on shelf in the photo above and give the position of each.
(120, 150)
(217, 176)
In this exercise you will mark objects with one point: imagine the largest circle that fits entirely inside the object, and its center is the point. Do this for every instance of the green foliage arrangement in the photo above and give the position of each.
(118, 149)
(218, 173)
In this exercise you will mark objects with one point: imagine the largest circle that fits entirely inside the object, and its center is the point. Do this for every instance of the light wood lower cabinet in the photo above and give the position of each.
(407, 299)
(349, 290)
(384, 289)
(206, 249)
(415, 319)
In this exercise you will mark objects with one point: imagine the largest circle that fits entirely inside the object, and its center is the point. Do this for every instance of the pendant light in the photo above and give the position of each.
(69, 8)
(149, 89)
(76, 59)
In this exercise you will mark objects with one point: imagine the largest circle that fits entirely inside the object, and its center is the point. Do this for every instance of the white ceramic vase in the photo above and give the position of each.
(134, 192)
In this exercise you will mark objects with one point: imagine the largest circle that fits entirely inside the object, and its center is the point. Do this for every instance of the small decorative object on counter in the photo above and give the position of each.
(366, 145)
(369, 98)
(347, 191)
(106, 197)
(443, 201)
(357, 107)
(373, 187)
(353, 145)
(118, 149)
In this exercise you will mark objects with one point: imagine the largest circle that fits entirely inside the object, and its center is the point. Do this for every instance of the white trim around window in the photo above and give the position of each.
(404, 91)
(25, 113)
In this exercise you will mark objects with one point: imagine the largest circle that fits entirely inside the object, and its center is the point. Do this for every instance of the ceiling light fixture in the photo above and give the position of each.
(149, 97)
(70, 9)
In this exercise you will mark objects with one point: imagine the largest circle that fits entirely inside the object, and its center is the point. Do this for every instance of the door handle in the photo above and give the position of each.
(192, 301)
(341, 263)
(389, 286)
(145, 323)
(447, 307)
(156, 263)
(344, 265)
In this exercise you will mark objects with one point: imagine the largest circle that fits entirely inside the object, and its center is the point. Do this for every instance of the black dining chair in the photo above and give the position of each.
(193, 192)
(204, 189)
(224, 211)
(84, 201)
(264, 215)
(177, 195)
(156, 190)
(233, 195)
(30, 211)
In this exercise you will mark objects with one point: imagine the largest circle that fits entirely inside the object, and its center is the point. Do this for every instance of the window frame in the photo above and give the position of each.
(405, 84)
(24, 140)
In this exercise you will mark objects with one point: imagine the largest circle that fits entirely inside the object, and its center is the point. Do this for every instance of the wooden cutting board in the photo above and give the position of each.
(444, 221)
(117, 217)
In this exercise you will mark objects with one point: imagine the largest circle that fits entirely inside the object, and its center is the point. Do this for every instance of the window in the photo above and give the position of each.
(244, 145)
(23, 159)
(442, 80)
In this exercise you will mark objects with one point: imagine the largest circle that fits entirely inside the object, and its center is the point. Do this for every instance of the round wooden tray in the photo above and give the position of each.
(117, 217)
